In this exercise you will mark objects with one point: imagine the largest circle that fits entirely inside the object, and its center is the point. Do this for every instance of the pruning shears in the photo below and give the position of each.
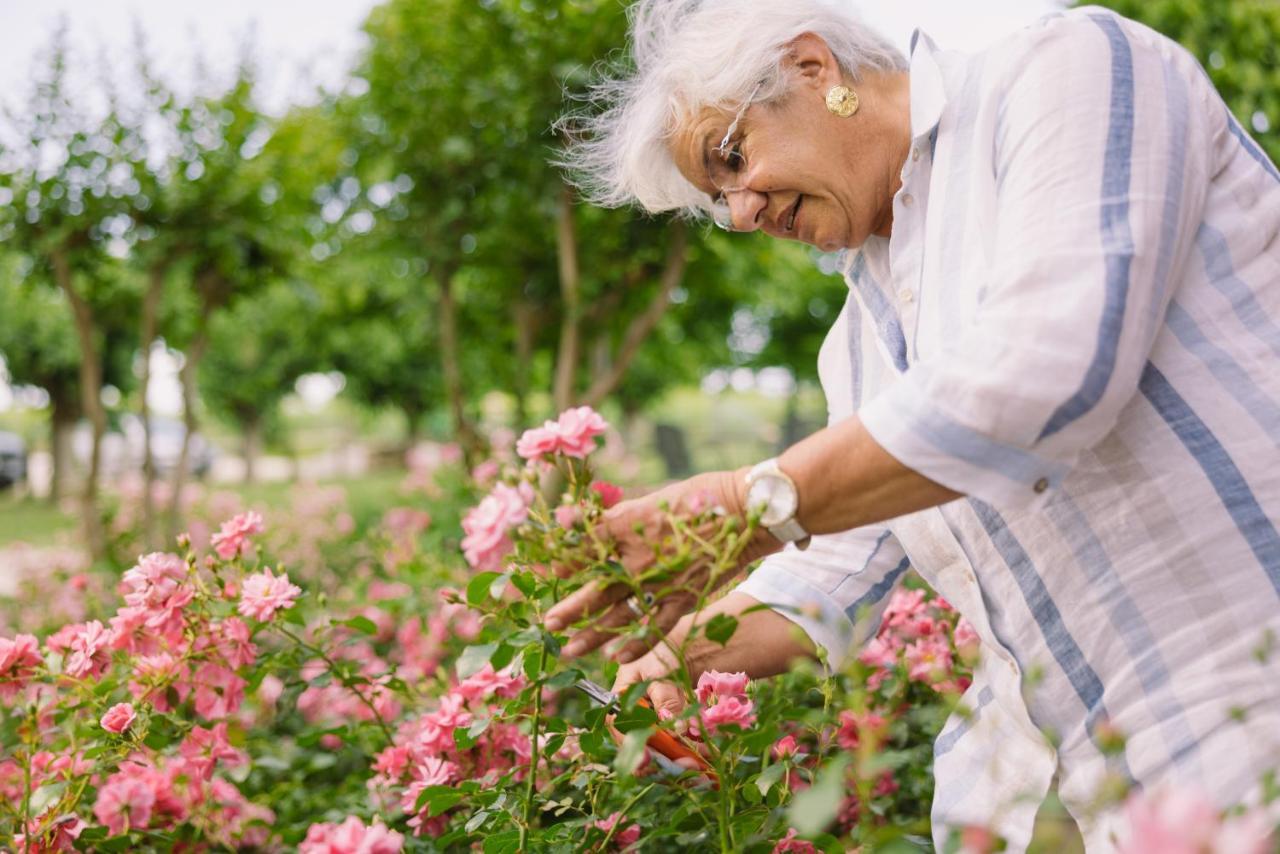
(662, 742)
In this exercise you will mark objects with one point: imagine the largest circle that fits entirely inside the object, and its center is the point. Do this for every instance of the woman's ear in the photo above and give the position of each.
(813, 62)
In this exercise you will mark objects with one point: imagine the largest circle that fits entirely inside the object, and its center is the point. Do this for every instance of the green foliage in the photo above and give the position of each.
(1237, 42)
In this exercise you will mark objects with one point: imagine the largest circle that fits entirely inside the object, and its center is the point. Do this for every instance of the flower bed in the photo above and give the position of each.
(277, 684)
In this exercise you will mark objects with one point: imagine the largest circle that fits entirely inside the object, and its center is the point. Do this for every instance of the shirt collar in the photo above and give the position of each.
(928, 94)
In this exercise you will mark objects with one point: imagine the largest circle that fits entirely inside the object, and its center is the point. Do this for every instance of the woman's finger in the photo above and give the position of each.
(600, 631)
(590, 599)
(669, 612)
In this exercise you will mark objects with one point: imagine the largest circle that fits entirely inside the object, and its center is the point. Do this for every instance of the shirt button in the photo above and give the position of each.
(905, 295)
(1041, 485)
(915, 153)
(908, 200)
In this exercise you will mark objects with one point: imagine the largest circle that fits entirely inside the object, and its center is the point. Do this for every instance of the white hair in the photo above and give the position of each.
(687, 55)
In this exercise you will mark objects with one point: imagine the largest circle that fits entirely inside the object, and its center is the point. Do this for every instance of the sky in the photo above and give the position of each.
(302, 44)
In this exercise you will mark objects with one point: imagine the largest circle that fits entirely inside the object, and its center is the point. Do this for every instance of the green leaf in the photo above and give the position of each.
(634, 718)
(438, 799)
(720, 628)
(564, 679)
(815, 807)
(474, 658)
(525, 583)
(502, 656)
(479, 588)
(294, 616)
(507, 842)
(631, 752)
(359, 623)
(769, 776)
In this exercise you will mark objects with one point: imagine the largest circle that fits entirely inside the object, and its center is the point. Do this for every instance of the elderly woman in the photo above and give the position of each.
(1054, 390)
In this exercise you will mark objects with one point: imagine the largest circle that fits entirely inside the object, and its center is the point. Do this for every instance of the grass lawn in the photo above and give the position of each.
(41, 523)
(32, 521)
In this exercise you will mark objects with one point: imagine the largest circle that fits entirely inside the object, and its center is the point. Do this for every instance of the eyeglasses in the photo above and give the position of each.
(727, 169)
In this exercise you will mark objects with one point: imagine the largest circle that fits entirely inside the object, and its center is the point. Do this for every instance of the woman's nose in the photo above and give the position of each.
(745, 207)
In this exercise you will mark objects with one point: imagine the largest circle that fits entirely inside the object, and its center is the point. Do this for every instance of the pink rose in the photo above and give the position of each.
(230, 541)
(928, 660)
(713, 683)
(263, 594)
(486, 472)
(578, 429)
(1172, 820)
(786, 746)
(608, 492)
(486, 525)
(572, 434)
(790, 843)
(351, 837)
(624, 838)
(19, 659)
(567, 515)
(125, 801)
(854, 726)
(118, 718)
(87, 647)
(537, 442)
(729, 710)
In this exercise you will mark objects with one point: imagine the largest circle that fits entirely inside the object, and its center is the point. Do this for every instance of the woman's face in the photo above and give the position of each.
(805, 174)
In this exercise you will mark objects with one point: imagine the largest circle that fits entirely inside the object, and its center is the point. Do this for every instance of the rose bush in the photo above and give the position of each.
(303, 681)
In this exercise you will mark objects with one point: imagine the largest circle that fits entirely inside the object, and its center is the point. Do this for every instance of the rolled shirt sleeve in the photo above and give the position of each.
(835, 590)
(1097, 197)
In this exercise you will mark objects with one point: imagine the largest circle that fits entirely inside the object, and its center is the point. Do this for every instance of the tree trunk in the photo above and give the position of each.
(252, 446)
(146, 338)
(643, 324)
(524, 320)
(90, 402)
(63, 422)
(187, 379)
(464, 432)
(413, 426)
(571, 296)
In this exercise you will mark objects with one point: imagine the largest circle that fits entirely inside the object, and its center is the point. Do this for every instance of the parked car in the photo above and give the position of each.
(13, 459)
(122, 446)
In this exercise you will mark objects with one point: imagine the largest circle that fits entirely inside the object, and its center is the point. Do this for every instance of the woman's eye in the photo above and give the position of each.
(734, 157)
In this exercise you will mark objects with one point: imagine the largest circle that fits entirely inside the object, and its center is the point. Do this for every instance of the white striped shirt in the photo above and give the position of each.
(1076, 324)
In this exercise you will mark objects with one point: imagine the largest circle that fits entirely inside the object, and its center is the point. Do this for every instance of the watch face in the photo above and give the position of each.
(774, 497)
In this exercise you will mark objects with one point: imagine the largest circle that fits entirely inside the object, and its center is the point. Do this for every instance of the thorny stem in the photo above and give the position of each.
(534, 753)
(622, 815)
(346, 683)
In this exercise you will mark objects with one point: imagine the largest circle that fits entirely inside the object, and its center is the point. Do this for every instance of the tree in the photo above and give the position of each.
(258, 349)
(1237, 42)
(71, 177)
(38, 343)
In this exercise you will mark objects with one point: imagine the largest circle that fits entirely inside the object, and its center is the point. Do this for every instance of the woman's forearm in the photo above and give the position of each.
(845, 480)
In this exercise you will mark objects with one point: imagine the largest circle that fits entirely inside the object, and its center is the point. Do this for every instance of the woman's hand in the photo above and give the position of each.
(765, 644)
(633, 527)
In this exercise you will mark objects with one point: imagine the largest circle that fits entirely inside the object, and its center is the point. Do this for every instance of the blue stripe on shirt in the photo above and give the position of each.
(1222, 471)
(879, 590)
(1117, 239)
(1062, 645)
(1109, 593)
(947, 740)
(1247, 143)
(1252, 396)
(886, 320)
(1244, 301)
(853, 319)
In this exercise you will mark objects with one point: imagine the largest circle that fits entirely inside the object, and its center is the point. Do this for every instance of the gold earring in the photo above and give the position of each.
(842, 101)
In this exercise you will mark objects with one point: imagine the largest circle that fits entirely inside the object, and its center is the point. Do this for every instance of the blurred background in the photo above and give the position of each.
(247, 246)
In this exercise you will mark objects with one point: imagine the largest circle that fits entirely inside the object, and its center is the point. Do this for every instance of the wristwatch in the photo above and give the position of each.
(774, 496)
